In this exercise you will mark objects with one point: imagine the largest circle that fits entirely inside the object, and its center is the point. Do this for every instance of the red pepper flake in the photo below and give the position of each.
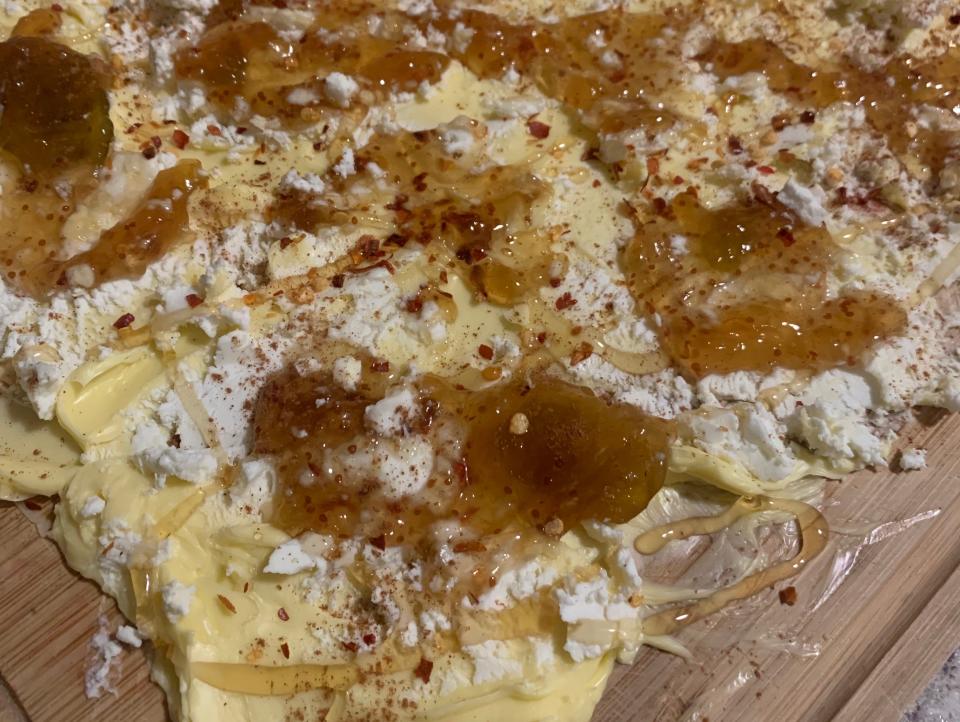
(734, 144)
(380, 366)
(124, 321)
(214, 129)
(282, 613)
(285, 241)
(57, 8)
(180, 139)
(379, 542)
(227, 604)
(786, 236)
(765, 169)
(788, 596)
(542, 337)
(653, 165)
(149, 151)
(155, 139)
(565, 301)
(808, 117)
(349, 646)
(581, 353)
(414, 305)
(337, 281)
(369, 638)
(537, 129)
(423, 670)
(955, 19)
(285, 650)
(193, 300)
(485, 352)
(32, 505)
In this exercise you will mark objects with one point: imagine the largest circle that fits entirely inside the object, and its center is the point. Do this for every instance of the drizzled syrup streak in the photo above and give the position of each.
(814, 536)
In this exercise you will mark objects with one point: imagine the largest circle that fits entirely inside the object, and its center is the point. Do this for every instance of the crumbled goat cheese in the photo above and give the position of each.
(391, 415)
(913, 459)
(310, 183)
(340, 89)
(92, 506)
(807, 203)
(492, 661)
(129, 635)
(155, 456)
(290, 558)
(254, 485)
(96, 678)
(347, 165)
(177, 599)
(347, 372)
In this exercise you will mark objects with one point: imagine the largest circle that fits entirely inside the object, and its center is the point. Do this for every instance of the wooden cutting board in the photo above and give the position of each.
(882, 634)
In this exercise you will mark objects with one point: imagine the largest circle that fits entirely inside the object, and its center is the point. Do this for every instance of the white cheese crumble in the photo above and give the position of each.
(290, 558)
(340, 89)
(347, 165)
(492, 661)
(155, 456)
(129, 635)
(390, 415)
(254, 485)
(177, 599)
(96, 678)
(807, 203)
(309, 183)
(347, 372)
(92, 506)
(913, 459)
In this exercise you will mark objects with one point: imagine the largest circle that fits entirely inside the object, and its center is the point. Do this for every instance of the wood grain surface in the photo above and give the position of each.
(881, 635)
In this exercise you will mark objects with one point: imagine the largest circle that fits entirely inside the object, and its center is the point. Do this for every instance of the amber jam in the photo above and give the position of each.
(744, 288)
(517, 456)
(56, 112)
(249, 60)
(476, 220)
(157, 223)
(889, 95)
(56, 127)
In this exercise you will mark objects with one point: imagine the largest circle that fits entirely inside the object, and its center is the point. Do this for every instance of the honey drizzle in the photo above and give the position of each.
(814, 534)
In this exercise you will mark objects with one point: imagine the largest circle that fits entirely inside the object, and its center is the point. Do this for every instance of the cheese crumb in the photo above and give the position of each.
(129, 635)
(340, 89)
(289, 558)
(177, 599)
(92, 506)
(913, 459)
(347, 371)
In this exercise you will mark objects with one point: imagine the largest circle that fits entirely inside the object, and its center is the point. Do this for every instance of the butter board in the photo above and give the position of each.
(882, 634)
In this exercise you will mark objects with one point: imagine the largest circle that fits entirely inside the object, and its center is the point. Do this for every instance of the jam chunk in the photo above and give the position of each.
(749, 291)
(609, 66)
(553, 451)
(155, 226)
(56, 112)
(479, 220)
(37, 23)
(531, 454)
(249, 60)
